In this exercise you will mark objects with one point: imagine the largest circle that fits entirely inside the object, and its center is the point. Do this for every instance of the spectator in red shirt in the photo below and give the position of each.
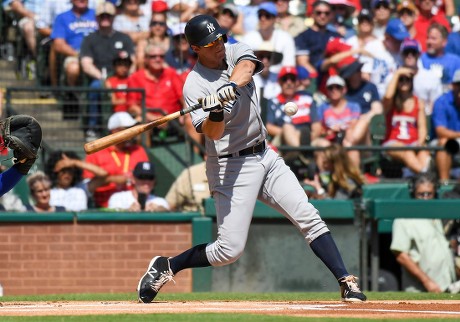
(119, 161)
(121, 66)
(406, 121)
(425, 18)
(163, 87)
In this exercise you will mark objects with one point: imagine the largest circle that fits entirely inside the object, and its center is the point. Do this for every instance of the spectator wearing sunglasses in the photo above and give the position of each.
(311, 43)
(339, 116)
(158, 35)
(228, 18)
(281, 41)
(296, 130)
(421, 248)
(382, 14)
(162, 84)
(407, 13)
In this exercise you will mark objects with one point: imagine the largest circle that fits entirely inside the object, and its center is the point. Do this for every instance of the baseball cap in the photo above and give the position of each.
(456, 78)
(144, 170)
(349, 69)
(122, 57)
(270, 7)
(120, 119)
(302, 73)
(232, 8)
(396, 29)
(365, 14)
(406, 4)
(159, 6)
(288, 70)
(410, 44)
(335, 80)
(375, 3)
(178, 29)
(336, 45)
(105, 8)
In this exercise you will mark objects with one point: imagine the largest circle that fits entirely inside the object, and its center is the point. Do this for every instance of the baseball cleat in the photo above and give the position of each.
(158, 274)
(350, 291)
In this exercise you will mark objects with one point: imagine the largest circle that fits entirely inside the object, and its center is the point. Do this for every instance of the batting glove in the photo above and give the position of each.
(211, 103)
(227, 92)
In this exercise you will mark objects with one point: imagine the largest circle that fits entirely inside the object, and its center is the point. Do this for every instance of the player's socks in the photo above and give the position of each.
(193, 257)
(9, 178)
(325, 248)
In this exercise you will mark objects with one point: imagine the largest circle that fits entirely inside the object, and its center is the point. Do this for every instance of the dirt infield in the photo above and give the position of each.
(371, 309)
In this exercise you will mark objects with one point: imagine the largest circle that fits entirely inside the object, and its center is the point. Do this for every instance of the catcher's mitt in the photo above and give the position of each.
(22, 134)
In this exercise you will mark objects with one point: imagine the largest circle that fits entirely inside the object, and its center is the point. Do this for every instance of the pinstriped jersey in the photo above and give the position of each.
(243, 123)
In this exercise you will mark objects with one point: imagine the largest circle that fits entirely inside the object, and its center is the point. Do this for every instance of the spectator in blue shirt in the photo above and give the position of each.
(311, 43)
(446, 124)
(443, 64)
(69, 29)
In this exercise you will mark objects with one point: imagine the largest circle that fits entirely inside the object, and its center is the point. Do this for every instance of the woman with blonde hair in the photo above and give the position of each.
(340, 177)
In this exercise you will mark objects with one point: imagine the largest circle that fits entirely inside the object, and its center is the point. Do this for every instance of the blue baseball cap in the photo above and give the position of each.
(410, 44)
(270, 7)
(397, 30)
(375, 3)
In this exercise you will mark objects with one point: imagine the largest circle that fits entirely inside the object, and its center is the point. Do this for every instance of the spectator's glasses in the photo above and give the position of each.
(155, 56)
(42, 190)
(265, 14)
(105, 16)
(157, 23)
(322, 13)
(215, 42)
(424, 195)
(264, 56)
(383, 5)
(413, 52)
(405, 79)
(333, 87)
(406, 12)
(286, 78)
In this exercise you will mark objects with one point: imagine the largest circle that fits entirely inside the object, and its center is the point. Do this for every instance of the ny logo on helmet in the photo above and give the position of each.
(210, 27)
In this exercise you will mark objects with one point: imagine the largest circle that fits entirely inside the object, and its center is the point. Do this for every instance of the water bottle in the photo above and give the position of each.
(1, 290)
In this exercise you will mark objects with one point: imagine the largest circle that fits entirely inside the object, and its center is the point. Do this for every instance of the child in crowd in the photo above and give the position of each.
(121, 65)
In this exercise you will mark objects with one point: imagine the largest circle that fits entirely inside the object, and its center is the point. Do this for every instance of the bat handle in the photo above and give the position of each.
(190, 109)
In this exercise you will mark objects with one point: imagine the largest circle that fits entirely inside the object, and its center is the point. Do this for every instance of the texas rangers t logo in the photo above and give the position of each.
(210, 27)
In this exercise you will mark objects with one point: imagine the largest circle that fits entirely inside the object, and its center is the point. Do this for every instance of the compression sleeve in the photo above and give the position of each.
(9, 179)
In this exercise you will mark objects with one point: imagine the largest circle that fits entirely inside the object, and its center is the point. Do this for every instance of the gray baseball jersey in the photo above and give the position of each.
(244, 126)
(236, 183)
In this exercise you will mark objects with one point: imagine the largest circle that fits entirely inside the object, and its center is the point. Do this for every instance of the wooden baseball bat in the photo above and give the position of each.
(131, 132)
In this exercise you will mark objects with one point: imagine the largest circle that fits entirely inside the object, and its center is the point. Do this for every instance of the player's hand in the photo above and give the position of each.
(211, 103)
(227, 92)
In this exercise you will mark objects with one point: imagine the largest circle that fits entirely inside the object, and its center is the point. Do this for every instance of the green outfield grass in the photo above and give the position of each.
(211, 317)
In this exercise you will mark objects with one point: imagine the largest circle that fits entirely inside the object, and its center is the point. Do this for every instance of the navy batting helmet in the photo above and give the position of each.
(203, 29)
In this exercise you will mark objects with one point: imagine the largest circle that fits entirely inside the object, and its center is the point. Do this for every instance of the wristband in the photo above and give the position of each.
(216, 116)
(321, 191)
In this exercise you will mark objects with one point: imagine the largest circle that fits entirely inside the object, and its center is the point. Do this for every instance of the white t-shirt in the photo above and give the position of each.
(72, 199)
(124, 200)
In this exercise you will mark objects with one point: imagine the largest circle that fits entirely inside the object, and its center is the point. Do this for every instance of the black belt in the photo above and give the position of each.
(256, 148)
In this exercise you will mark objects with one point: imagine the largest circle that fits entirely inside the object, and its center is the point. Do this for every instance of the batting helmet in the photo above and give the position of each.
(203, 29)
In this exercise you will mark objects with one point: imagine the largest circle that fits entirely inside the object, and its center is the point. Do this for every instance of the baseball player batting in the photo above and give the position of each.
(241, 169)
(22, 134)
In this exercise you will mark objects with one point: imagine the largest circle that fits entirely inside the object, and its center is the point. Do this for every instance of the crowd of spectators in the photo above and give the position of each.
(343, 62)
